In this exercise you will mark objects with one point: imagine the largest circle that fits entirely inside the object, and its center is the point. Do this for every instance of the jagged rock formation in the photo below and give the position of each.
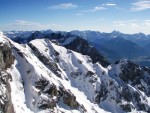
(134, 80)
(6, 105)
(6, 57)
(6, 60)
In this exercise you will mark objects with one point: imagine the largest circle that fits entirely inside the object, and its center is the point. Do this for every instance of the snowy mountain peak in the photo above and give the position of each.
(1, 34)
(3, 39)
(116, 32)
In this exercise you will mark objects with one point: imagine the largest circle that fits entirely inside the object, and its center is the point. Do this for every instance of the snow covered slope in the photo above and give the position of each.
(49, 78)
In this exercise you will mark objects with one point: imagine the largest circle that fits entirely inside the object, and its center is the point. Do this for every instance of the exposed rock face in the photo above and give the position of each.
(5, 96)
(89, 73)
(135, 79)
(102, 94)
(137, 76)
(6, 60)
(47, 88)
(69, 99)
(76, 73)
(131, 71)
(6, 57)
(52, 90)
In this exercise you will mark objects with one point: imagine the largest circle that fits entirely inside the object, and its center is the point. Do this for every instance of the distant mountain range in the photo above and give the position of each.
(117, 45)
(140, 38)
(113, 46)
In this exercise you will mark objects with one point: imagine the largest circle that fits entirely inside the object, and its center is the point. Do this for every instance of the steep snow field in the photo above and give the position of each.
(29, 69)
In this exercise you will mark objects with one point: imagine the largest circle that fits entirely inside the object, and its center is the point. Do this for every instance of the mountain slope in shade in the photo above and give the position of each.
(146, 47)
(125, 48)
(82, 46)
(108, 53)
(44, 77)
(139, 40)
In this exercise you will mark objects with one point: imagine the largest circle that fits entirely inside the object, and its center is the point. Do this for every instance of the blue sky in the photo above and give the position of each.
(128, 16)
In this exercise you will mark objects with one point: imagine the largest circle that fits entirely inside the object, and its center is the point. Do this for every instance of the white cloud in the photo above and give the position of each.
(146, 23)
(109, 4)
(63, 6)
(132, 20)
(29, 25)
(147, 20)
(125, 23)
(133, 26)
(55, 25)
(119, 23)
(95, 9)
(99, 8)
(140, 6)
(25, 23)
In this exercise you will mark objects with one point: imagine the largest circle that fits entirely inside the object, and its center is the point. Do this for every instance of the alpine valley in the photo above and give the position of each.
(74, 72)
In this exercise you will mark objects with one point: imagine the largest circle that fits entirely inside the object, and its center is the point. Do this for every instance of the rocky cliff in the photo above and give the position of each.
(6, 60)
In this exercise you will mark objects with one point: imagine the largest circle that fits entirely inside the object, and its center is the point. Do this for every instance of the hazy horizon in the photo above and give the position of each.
(65, 15)
(70, 31)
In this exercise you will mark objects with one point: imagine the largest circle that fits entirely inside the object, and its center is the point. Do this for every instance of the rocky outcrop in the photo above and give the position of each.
(6, 57)
(136, 75)
(6, 60)
(47, 88)
(131, 71)
(135, 79)
(102, 94)
(6, 105)
(76, 73)
(68, 98)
